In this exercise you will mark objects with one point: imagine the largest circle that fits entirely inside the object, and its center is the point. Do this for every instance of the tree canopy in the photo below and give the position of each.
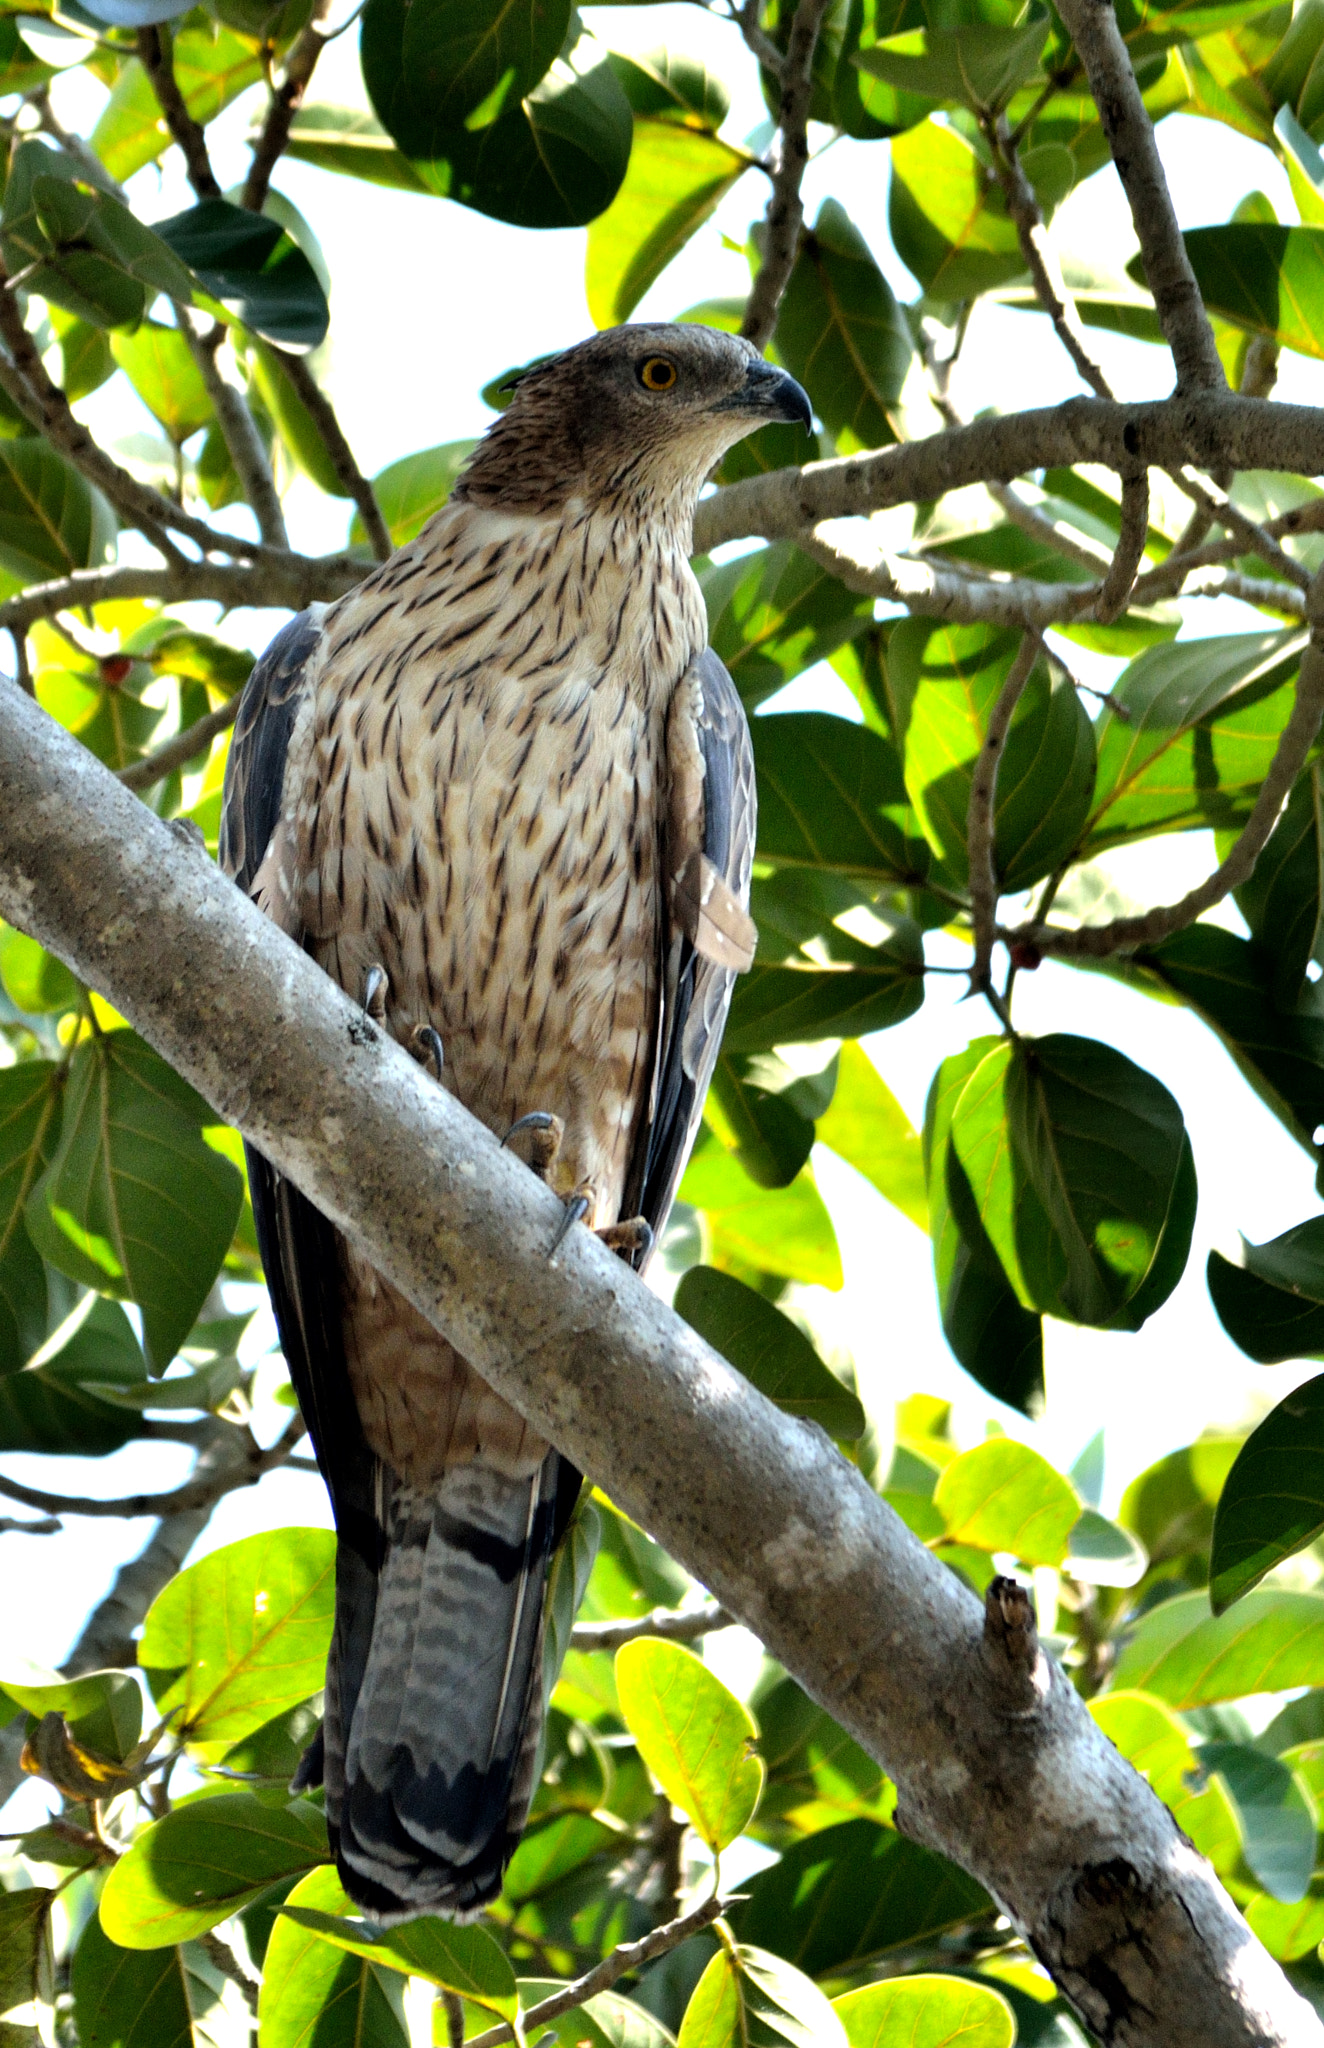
(699, 1868)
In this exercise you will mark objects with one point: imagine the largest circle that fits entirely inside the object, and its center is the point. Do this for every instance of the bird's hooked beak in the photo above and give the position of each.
(768, 393)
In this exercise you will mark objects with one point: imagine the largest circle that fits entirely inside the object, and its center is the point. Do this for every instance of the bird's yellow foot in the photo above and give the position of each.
(546, 1132)
(425, 1044)
(632, 1238)
(376, 988)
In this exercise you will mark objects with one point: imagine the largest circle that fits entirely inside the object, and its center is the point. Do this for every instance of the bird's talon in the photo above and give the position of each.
(548, 1131)
(376, 985)
(576, 1209)
(630, 1239)
(427, 1049)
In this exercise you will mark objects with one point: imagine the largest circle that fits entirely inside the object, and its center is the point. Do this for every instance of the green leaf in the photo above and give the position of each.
(1151, 1737)
(607, 2021)
(816, 1774)
(1277, 1822)
(866, 1126)
(52, 520)
(694, 1734)
(773, 613)
(832, 795)
(785, 1231)
(750, 1997)
(47, 1407)
(750, 1106)
(316, 1996)
(1170, 1506)
(676, 179)
(1264, 278)
(103, 1708)
(841, 333)
(1273, 1503)
(981, 65)
(31, 1095)
(133, 1201)
(868, 989)
(1269, 1642)
(1100, 1553)
(1004, 1496)
(411, 490)
(1283, 902)
(1047, 770)
(350, 141)
(85, 357)
(948, 220)
(461, 1959)
(212, 67)
(91, 255)
(241, 1635)
(148, 1998)
(851, 1892)
(34, 980)
(292, 420)
(25, 1945)
(1272, 1304)
(1227, 981)
(926, 2012)
(204, 1862)
(768, 1348)
(435, 68)
(997, 1339)
(157, 362)
(254, 267)
(1192, 735)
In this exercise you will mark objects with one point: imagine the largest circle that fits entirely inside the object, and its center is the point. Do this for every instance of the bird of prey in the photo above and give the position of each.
(503, 793)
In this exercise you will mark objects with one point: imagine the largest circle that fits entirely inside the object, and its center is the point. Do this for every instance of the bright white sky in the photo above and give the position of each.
(429, 302)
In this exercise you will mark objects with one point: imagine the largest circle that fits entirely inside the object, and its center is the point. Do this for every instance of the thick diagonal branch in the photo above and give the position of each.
(760, 1507)
(1092, 26)
(785, 215)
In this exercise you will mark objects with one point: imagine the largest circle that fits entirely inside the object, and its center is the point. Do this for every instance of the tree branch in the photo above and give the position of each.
(628, 1955)
(1127, 934)
(981, 813)
(661, 1623)
(283, 580)
(286, 99)
(198, 1492)
(760, 1507)
(1216, 504)
(154, 767)
(1118, 584)
(1040, 260)
(1073, 547)
(1092, 26)
(785, 215)
(322, 413)
(238, 430)
(155, 56)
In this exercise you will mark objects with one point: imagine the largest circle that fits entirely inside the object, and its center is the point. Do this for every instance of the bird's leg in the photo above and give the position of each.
(425, 1044)
(376, 988)
(548, 1131)
(631, 1235)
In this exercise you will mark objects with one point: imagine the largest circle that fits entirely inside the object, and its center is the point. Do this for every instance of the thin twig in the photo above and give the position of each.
(1216, 504)
(785, 215)
(223, 1958)
(453, 2005)
(1127, 934)
(1040, 259)
(630, 1955)
(981, 813)
(1049, 533)
(661, 1624)
(47, 1526)
(238, 430)
(322, 413)
(756, 37)
(1092, 26)
(173, 753)
(155, 56)
(286, 99)
(195, 1493)
(291, 581)
(1118, 584)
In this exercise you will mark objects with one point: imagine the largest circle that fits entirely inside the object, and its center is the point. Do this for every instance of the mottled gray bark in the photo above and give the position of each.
(996, 1759)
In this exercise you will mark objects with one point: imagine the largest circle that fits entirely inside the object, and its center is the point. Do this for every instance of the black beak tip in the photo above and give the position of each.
(793, 400)
(772, 394)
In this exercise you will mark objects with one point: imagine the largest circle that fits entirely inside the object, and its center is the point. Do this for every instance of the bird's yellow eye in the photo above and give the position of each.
(658, 373)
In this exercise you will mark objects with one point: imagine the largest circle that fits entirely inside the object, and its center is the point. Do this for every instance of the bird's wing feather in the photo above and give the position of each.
(708, 853)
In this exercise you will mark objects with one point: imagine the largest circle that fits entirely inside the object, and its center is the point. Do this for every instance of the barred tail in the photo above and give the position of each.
(434, 1689)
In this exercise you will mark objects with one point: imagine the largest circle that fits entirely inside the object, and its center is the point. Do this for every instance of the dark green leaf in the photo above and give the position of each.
(1272, 1304)
(842, 334)
(816, 1773)
(668, 85)
(980, 65)
(51, 519)
(48, 1407)
(872, 988)
(241, 1635)
(768, 1134)
(150, 1998)
(1046, 775)
(92, 256)
(1284, 899)
(348, 140)
(1226, 980)
(204, 1862)
(764, 1345)
(24, 1946)
(1277, 1824)
(254, 267)
(85, 357)
(1265, 278)
(317, 1996)
(293, 421)
(133, 1201)
(997, 1339)
(832, 795)
(433, 68)
(1273, 1502)
(463, 1959)
(851, 1892)
(773, 613)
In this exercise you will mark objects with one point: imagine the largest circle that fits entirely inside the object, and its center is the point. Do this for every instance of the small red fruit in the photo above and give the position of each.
(1025, 955)
(115, 669)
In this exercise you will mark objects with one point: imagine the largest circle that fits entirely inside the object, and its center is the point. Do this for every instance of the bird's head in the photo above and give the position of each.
(635, 415)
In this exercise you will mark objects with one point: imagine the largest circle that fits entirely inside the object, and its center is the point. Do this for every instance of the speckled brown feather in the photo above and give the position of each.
(495, 764)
